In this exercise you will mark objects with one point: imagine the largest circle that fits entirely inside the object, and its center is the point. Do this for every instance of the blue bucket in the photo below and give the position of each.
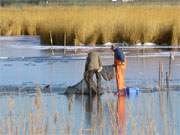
(132, 91)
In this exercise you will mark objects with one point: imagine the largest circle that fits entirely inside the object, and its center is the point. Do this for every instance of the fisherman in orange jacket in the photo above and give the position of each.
(120, 66)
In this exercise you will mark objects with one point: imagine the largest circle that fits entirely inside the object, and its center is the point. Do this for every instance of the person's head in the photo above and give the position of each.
(112, 47)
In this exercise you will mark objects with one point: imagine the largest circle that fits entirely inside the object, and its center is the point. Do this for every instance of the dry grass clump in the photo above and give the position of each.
(94, 24)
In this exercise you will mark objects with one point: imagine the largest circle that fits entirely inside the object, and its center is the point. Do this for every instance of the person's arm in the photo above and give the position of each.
(100, 61)
(86, 68)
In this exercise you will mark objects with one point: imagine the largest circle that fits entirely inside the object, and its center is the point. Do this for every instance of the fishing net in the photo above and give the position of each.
(81, 87)
(107, 72)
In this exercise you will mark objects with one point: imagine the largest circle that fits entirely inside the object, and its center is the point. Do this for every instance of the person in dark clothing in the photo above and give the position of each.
(118, 54)
(93, 66)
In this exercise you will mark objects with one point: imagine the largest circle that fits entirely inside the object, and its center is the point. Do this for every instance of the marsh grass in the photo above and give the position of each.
(94, 24)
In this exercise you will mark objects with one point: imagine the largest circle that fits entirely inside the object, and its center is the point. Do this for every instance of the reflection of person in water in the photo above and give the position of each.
(94, 112)
(121, 115)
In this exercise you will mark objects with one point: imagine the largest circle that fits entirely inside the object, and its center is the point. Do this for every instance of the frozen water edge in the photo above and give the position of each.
(20, 38)
(58, 47)
(29, 46)
(83, 57)
(21, 42)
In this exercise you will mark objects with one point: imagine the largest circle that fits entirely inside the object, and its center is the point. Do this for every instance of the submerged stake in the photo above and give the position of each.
(64, 42)
(51, 40)
(167, 80)
(160, 75)
(171, 57)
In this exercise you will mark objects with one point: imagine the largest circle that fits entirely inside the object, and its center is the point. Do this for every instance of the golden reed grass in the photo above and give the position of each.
(94, 24)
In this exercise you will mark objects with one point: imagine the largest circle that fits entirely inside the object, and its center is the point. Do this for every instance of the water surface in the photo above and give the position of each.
(23, 62)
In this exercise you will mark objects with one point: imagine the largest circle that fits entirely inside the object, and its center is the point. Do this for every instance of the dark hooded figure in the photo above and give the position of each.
(93, 66)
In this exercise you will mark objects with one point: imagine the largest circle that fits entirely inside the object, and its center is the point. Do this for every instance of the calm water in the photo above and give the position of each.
(24, 62)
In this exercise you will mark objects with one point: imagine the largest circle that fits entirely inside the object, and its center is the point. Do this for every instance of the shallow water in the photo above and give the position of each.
(24, 62)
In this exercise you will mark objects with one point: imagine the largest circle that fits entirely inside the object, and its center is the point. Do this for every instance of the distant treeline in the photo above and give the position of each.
(39, 2)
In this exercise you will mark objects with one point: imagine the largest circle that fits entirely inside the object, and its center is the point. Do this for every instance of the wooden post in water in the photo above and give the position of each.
(143, 48)
(64, 42)
(159, 82)
(75, 44)
(162, 67)
(167, 80)
(51, 41)
(171, 57)
(160, 75)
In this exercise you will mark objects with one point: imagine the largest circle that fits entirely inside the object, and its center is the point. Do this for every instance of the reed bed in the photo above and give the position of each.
(92, 25)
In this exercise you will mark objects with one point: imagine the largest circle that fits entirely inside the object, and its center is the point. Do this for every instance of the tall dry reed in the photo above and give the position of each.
(94, 24)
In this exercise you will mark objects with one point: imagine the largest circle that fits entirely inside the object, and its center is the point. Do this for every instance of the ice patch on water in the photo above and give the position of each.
(3, 58)
(108, 44)
(178, 64)
(19, 38)
(155, 54)
(80, 57)
(145, 44)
